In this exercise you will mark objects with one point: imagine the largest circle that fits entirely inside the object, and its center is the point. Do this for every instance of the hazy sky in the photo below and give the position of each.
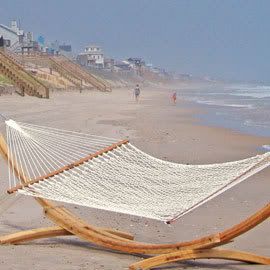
(226, 39)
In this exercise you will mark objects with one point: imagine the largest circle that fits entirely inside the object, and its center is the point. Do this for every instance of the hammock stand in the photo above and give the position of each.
(69, 224)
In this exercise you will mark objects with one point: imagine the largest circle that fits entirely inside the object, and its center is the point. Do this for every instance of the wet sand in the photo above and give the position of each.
(161, 129)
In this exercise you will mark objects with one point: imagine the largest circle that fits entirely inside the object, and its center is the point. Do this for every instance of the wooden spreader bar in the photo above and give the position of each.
(68, 167)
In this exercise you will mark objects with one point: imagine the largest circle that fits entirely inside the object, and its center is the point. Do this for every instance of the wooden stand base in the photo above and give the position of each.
(199, 254)
(202, 248)
(48, 232)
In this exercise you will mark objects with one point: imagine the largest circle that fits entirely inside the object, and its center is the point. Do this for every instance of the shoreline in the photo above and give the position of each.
(232, 109)
(160, 129)
(202, 112)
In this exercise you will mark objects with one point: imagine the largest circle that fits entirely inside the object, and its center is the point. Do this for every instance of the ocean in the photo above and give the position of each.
(241, 107)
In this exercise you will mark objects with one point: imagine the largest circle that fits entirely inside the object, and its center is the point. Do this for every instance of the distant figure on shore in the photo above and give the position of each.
(174, 97)
(137, 92)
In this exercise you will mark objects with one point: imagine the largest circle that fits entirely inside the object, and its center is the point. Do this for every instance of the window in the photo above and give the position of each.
(7, 42)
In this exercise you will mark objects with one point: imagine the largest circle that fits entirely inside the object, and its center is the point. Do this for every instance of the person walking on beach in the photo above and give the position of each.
(137, 93)
(174, 96)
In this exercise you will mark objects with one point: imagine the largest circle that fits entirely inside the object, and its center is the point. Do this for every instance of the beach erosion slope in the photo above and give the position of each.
(161, 129)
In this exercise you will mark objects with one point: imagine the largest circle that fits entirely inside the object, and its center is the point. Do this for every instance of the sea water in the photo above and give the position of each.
(242, 107)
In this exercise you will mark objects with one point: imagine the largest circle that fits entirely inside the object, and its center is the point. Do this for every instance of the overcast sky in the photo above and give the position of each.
(225, 39)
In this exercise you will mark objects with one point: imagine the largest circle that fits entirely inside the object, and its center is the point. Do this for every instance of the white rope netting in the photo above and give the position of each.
(124, 180)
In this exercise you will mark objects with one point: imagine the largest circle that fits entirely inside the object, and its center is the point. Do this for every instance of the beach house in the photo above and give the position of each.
(92, 57)
(16, 39)
(12, 34)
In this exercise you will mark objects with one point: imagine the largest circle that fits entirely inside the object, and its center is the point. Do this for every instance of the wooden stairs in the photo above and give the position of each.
(27, 83)
(71, 71)
(80, 72)
(65, 72)
(47, 61)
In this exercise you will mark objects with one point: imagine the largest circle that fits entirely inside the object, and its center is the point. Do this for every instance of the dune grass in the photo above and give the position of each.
(4, 80)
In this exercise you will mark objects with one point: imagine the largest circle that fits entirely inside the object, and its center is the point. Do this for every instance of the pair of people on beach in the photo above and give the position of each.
(137, 93)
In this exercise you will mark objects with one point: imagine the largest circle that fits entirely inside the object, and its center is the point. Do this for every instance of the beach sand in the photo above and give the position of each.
(161, 129)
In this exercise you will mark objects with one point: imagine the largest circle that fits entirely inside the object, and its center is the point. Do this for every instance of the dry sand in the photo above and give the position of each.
(161, 129)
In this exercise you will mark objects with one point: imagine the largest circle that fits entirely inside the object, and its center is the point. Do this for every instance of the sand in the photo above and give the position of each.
(163, 130)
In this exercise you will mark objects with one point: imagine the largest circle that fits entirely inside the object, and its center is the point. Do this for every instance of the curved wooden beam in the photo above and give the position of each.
(29, 235)
(34, 234)
(65, 219)
(246, 225)
(78, 227)
(199, 254)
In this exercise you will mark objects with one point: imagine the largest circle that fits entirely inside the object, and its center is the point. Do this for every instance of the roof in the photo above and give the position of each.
(8, 29)
(93, 45)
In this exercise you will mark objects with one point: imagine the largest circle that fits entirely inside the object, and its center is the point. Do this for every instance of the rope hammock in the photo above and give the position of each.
(104, 173)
